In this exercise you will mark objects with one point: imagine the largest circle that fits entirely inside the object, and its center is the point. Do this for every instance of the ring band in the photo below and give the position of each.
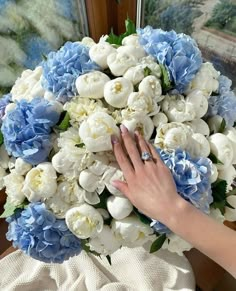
(146, 156)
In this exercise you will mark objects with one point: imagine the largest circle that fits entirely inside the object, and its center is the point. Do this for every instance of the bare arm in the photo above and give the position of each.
(150, 187)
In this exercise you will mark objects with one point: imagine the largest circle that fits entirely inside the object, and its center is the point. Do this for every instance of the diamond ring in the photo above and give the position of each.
(146, 156)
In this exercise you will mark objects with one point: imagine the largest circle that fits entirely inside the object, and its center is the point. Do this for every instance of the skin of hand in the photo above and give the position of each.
(150, 187)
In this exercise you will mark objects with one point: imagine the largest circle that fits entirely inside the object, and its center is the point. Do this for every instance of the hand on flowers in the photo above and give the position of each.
(149, 184)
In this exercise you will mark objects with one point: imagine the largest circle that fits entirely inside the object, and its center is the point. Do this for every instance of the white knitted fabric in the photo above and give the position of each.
(131, 270)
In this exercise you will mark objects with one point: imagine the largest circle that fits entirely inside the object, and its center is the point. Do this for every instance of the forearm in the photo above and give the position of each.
(207, 235)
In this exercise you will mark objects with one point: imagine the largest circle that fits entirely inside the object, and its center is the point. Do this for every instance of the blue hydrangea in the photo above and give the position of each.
(62, 68)
(192, 179)
(39, 234)
(223, 104)
(26, 130)
(177, 52)
(4, 101)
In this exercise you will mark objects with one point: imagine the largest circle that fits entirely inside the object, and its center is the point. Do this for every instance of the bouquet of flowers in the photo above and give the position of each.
(56, 159)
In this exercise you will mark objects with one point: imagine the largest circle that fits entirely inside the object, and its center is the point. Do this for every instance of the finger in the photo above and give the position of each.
(143, 146)
(121, 157)
(121, 186)
(131, 147)
(154, 153)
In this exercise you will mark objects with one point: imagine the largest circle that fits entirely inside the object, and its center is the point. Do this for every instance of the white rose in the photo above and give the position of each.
(205, 80)
(40, 182)
(214, 173)
(151, 86)
(28, 86)
(21, 167)
(150, 62)
(91, 84)
(132, 39)
(230, 132)
(140, 102)
(96, 132)
(199, 102)
(228, 174)
(119, 63)
(176, 244)
(214, 123)
(136, 51)
(177, 109)
(14, 188)
(4, 158)
(2, 175)
(119, 207)
(131, 232)
(159, 119)
(99, 53)
(105, 243)
(143, 123)
(134, 74)
(198, 146)
(84, 221)
(88, 41)
(222, 148)
(230, 214)
(117, 91)
(173, 135)
(199, 126)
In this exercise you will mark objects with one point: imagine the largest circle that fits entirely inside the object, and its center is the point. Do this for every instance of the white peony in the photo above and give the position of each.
(119, 63)
(99, 165)
(177, 108)
(228, 174)
(134, 74)
(88, 180)
(131, 232)
(105, 243)
(84, 221)
(199, 102)
(150, 63)
(88, 41)
(119, 207)
(159, 119)
(113, 173)
(14, 188)
(199, 126)
(222, 148)
(3, 173)
(132, 39)
(4, 158)
(28, 86)
(176, 244)
(96, 132)
(205, 80)
(91, 85)
(230, 214)
(99, 53)
(21, 167)
(136, 51)
(40, 182)
(214, 123)
(173, 135)
(140, 102)
(230, 132)
(214, 173)
(198, 146)
(117, 91)
(151, 86)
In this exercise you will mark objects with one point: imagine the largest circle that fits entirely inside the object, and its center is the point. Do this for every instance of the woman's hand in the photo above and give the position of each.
(149, 184)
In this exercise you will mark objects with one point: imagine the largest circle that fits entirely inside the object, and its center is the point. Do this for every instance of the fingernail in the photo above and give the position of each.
(123, 128)
(114, 139)
(137, 133)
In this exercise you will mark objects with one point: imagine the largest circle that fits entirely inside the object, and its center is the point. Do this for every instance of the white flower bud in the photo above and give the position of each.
(199, 102)
(99, 53)
(151, 86)
(228, 174)
(214, 173)
(91, 84)
(140, 102)
(119, 63)
(4, 158)
(199, 146)
(119, 207)
(88, 181)
(137, 51)
(134, 74)
(14, 184)
(88, 41)
(230, 132)
(21, 167)
(159, 119)
(117, 91)
(199, 126)
(214, 123)
(132, 39)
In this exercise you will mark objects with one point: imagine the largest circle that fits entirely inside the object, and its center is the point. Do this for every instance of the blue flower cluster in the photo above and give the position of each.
(62, 68)
(192, 179)
(26, 130)
(177, 52)
(223, 104)
(4, 101)
(39, 234)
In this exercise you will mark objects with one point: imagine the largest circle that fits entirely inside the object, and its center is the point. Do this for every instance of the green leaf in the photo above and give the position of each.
(80, 145)
(228, 205)
(64, 121)
(44, 57)
(219, 195)
(144, 219)
(130, 27)
(222, 126)
(1, 138)
(157, 244)
(109, 259)
(103, 200)
(9, 208)
(147, 71)
(166, 83)
(214, 159)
